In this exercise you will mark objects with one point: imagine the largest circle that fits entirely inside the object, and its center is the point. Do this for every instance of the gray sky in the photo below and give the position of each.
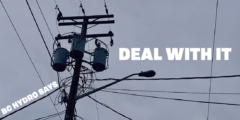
(139, 24)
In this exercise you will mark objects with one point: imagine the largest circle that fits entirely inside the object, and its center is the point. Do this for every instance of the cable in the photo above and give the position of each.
(170, 91)
(45, 21)
(109, 108)
(30, 104)
(210, 84)
(24, 49)
(51, 116)
(39, 30)
(78, 15)
(47, 50)
(96, 102)
(181, 78)
(55, 2)
(196, 101)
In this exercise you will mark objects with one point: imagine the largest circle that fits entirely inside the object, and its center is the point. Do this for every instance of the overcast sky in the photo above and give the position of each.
(138, 24)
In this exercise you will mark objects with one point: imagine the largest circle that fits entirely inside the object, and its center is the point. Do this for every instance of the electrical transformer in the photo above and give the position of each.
(99, 60)
(78, 47)
(60, 59)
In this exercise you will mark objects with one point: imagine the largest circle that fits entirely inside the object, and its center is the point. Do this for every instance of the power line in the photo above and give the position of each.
(55, 2)
(51, 116)
(47, 50)
(24, 49)
(155, 91)
(181, 78)
(30, 104)
(45, 19)
(47, 24)
(109, 107)
(39, 30)
(214, 38)
(95, 98)
(196, 101)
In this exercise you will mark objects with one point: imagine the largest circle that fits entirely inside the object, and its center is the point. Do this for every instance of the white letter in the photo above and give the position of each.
(54, 84)
(46, 89)
(40, 91)
(226, 52)
(174, 53)
(50, 86)
(156, 57)
(147, 54)
(135, 53)
(208, 54)
(34, 94)
(15, 105)
(4, 111)
(9, 108)
(29, 97)
(25, 100)
(194, 51)
(218, 53)
(121, 54)
(20, 102)
(186, 53)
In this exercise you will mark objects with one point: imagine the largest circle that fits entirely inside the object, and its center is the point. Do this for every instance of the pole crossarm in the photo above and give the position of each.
(99, 35)
(87, 36)
(80, 23)
(88, 17)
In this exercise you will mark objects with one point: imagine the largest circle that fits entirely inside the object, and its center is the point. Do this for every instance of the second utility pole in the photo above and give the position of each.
(74, 86)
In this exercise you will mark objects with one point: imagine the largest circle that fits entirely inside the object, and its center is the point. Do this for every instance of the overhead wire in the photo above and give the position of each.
(47, 51)
(49, 28)
(25, 51)
(39, 30)
(109, 108)
(49, 32)
(213, 47)
(78, 15)
(45, 20)
(159, 91)
(176, 99)
(95, 97)
(51, 116)
(181, 78)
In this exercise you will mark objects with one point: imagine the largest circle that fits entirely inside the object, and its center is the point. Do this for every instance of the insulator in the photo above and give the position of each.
(69, 41)
(111, 42)
(107, 11)
(110, 32)
(65, 99)
(59, 15)
(59, 45)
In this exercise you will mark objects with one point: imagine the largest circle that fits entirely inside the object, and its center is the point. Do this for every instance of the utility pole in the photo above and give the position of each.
(73, 90)
(61, 55)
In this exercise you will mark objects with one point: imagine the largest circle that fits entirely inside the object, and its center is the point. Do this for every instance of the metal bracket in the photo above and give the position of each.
(89, 53)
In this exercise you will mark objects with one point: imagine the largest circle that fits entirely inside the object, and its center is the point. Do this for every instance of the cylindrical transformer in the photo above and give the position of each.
(60, 59)
(99, 60)
(78, 47)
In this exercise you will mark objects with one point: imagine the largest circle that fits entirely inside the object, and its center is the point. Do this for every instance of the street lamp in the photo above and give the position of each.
(149, 73)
